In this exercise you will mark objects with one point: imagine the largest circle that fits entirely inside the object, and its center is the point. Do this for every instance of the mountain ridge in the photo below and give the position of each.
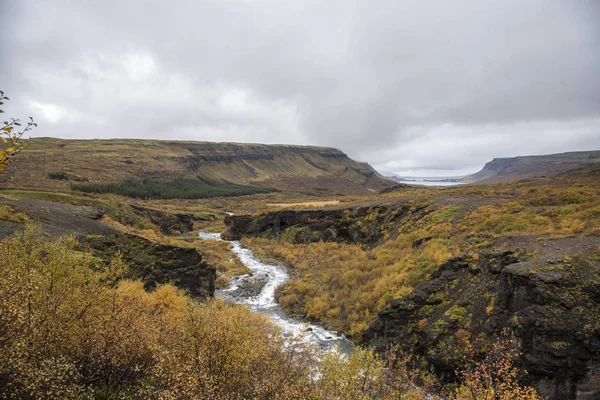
(285, 167)
(511, 169)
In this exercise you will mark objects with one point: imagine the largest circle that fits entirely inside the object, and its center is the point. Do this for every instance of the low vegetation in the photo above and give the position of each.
(73, 328)
(299, 169)
(219, 255)
(175, 189)
(7, 213)
(344, 285)
(63, 176)
(60, 175)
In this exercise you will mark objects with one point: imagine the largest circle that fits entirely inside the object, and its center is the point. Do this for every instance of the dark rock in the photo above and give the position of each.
(395, 188)
(554, 309)
(248, 287)
(59, 219)
(8, 228)
(167, 222)
(157, 264)
(417, 243)
(99, 213)
(361, 225)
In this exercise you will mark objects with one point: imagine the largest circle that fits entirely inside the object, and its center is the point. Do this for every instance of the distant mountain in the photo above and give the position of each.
(518, 168)
(51, 163)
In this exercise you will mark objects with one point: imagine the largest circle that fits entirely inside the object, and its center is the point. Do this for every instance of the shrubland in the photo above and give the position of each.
(219, 255)
(11, 133)
(72, 327)
(343, 285)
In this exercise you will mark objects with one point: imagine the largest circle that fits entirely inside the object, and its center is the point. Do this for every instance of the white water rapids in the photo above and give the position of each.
(265, 303)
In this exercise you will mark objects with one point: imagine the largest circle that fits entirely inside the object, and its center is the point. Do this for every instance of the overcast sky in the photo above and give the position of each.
(425, 88)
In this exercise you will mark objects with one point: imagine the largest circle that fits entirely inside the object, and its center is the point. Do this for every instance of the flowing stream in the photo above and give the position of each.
(257, 291)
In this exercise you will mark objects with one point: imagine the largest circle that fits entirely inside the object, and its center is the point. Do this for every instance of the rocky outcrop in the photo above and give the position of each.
(362, 225)
(552, 305)
(168, 223)
(59, 219)
(156, 264)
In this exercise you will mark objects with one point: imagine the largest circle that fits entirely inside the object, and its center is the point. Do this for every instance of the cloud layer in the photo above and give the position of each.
(413, 87)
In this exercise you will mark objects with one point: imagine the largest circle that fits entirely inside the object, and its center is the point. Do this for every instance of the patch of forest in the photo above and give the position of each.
(175, 189)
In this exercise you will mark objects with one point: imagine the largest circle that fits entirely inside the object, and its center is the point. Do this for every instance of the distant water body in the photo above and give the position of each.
(428, 182)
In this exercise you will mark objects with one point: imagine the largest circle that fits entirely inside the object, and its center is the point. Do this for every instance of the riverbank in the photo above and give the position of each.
(257, 291)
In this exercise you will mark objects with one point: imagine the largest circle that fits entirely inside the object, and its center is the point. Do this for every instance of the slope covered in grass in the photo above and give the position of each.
(297, 168)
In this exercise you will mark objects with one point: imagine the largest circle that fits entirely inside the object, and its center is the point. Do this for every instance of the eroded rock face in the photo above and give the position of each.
(553, 306)
(169, 223)
(361, 225)
(156, 264)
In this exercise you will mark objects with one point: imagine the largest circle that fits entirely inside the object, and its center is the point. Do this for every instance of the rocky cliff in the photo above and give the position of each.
(286, 167)
(156, 264)
(548, 292)
(168, 223)
(151, 262)
(365, 225)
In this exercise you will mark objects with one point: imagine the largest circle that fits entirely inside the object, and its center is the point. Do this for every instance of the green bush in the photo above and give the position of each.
(447, 213)
(61, 175)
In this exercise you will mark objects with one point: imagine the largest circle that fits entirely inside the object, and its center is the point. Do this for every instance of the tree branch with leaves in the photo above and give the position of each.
(11, 132)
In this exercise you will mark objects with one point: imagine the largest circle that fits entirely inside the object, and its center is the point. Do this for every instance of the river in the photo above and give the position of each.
(257, 291)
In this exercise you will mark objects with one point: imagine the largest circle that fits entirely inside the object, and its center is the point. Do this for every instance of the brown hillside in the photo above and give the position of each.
(286, 167)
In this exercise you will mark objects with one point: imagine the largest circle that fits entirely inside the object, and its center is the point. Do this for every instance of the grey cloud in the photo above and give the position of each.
(407, 86)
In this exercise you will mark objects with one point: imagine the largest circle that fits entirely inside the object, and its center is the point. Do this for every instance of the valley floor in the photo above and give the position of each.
(364, 266)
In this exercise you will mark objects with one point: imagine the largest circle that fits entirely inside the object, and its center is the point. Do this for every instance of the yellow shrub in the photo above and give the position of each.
(70, 328)
(344, 285)
(7, 213)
